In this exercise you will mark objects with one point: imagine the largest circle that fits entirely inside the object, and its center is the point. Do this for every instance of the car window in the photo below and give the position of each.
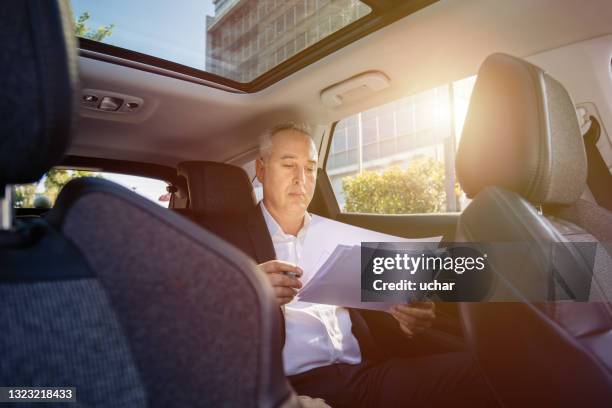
(398, 158)
(43, 193)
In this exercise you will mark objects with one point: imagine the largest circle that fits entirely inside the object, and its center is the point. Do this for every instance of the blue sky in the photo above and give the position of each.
(170, 29)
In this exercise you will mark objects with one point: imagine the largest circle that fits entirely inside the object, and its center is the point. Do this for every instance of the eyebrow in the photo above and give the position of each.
(292, 156)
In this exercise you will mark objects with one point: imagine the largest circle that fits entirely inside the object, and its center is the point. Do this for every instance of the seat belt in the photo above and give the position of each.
(599, 178)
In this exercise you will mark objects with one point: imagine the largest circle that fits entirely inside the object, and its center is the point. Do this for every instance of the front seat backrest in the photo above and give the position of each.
(521, 149)
(111, 294)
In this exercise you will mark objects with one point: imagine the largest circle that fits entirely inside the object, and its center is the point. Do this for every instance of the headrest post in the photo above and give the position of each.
(6, 208)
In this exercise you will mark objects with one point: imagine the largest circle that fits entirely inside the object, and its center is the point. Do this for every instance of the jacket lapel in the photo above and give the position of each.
(367, 344)
(264, 249)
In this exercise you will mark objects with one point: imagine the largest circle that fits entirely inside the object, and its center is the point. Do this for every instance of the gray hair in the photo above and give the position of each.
(265, 140)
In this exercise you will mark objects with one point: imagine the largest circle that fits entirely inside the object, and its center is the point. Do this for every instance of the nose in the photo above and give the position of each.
(299, 175)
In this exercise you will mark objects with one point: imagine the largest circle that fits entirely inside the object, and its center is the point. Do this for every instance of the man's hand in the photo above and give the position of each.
(285, 287)
(308, 402)
(414, 317)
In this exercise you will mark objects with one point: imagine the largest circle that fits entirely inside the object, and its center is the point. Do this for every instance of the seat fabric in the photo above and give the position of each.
(198, 317)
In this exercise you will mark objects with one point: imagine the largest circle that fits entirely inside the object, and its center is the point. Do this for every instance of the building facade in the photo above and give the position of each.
(246, 38)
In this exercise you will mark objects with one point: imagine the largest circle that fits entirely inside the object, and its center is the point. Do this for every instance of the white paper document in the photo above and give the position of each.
(331, 261)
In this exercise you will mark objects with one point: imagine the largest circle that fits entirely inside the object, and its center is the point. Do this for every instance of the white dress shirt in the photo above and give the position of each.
(315, 335)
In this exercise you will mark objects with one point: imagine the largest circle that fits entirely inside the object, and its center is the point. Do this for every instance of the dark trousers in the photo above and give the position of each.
(442, 380)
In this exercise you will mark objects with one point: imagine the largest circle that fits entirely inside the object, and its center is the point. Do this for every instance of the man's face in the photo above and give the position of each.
(289, 172)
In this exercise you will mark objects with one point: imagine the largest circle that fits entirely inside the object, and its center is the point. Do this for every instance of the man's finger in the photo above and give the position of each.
(402, 318)
(425, 304)
(421, 326)
(415, 312)
(277, 279)
(307, 402)
(280, 267)
(407, 330)
(411, 321)
(419, 306)
(281, 291)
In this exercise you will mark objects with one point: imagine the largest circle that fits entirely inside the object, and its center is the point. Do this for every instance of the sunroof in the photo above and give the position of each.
(236, 39)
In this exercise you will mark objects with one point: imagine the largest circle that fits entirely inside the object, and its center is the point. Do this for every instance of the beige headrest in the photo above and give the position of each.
(521, 133)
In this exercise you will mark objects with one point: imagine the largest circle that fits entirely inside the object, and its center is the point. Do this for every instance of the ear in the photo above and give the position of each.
(260, 170)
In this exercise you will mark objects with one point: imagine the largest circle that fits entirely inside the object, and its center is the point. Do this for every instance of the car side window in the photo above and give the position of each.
(398, 158)
(43, 193)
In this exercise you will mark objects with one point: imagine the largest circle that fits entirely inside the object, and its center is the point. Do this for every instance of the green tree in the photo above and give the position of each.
(56, 179)
(24, 195)
(82, 30)
(53, 182)
(418, 189)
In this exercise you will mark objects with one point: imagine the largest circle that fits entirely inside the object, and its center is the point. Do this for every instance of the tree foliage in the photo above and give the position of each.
(53, 182)
(56, 179)
(82, 30)
(24, 195)
(418, 189)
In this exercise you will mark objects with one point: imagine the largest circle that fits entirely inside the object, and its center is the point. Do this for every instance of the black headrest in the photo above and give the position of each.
(521, 133)
(37, 87)
(217, 188)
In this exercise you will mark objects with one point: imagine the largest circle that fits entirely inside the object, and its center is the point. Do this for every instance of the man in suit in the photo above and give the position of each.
(328, 351)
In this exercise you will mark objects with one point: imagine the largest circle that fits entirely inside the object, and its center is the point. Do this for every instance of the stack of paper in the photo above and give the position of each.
(331, 261)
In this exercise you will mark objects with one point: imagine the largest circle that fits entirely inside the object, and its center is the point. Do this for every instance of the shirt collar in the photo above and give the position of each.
(275, 229)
